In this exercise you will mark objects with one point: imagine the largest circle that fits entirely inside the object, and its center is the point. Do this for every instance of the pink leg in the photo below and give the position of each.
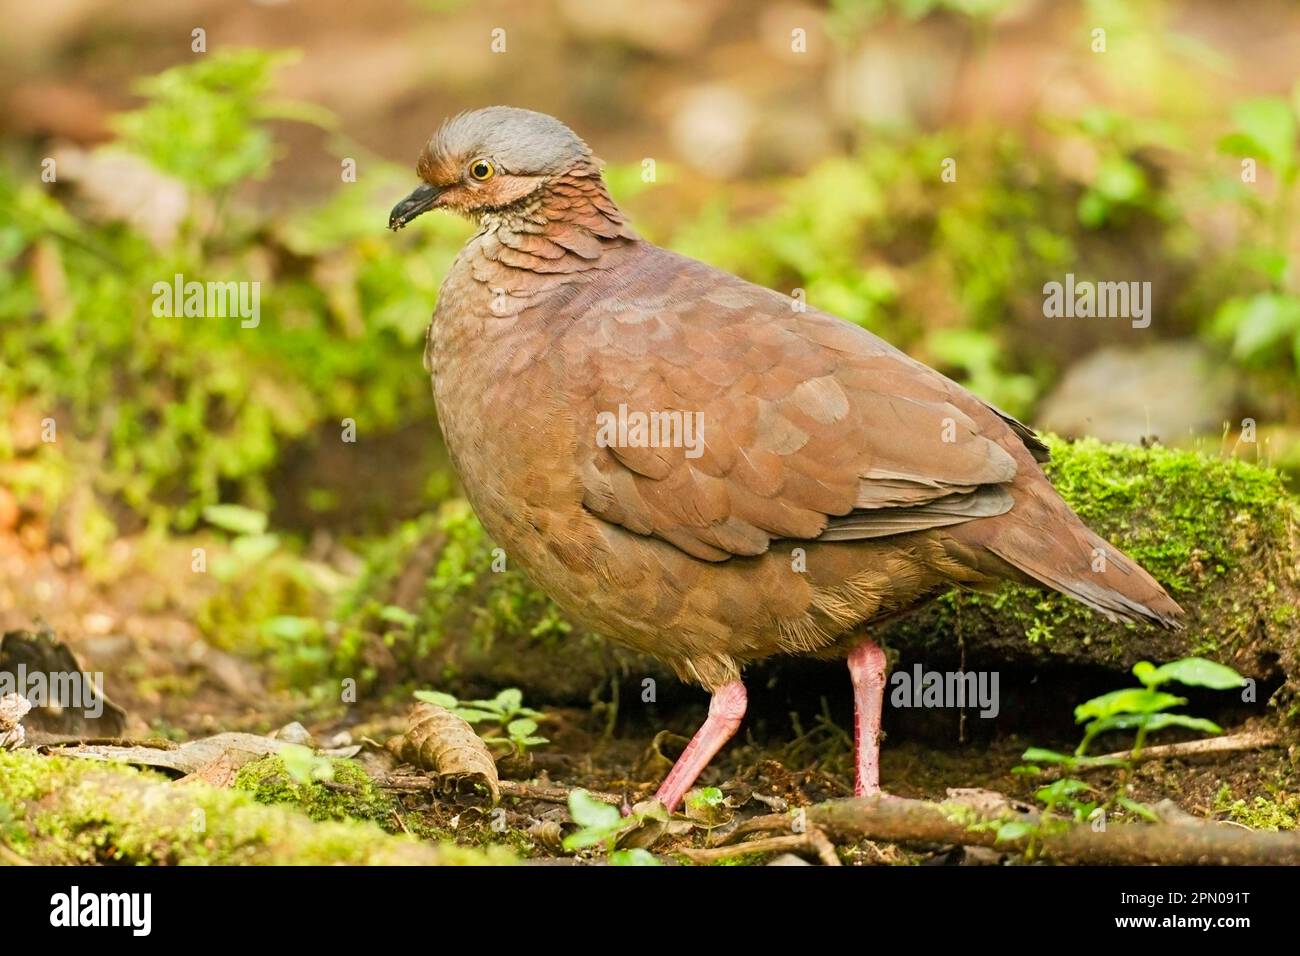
(725, 712)
(867, 670)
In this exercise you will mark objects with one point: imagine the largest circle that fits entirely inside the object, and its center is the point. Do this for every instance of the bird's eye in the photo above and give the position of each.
(481, 170)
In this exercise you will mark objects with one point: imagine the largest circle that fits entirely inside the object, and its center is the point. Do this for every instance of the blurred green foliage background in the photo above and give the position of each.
(818, 170)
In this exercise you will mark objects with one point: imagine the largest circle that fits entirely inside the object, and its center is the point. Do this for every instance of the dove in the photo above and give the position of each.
(705, 470)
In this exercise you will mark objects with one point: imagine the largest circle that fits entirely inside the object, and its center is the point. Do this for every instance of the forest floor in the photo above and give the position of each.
(134, 621)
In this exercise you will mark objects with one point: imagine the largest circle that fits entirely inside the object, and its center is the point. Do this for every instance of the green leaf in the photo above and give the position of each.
(1143, 671)
(1131, 700)
(1015, 830)
(1152, 722)
(1041, 755)
(585, 838)
(303, 765)
(521, 728)
(236, 519)
(705, 797)
(445, 701)
(588, 812)
(634, 857)
(1161, 721)
(510, 699)
(1199, 672)
(472, 715)
(1058, 790)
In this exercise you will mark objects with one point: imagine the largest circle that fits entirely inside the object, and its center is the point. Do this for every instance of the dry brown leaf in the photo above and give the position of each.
(184, 759)
(438, 740)
(218, 773)
(13, 708)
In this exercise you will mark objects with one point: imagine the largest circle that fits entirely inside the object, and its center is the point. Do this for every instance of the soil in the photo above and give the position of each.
(136, 624)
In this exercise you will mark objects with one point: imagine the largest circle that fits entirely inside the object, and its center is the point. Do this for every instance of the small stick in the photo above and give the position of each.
(552, 794)
(900, 820)
(813, 841)
(1192, 748)
(509, 788)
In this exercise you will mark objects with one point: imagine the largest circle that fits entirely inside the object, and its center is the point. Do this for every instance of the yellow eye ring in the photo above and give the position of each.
(481, 170)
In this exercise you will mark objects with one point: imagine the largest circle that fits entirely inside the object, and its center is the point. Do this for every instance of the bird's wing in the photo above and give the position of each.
(713, 414)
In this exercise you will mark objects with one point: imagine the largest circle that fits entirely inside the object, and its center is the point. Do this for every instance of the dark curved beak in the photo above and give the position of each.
(421, 200)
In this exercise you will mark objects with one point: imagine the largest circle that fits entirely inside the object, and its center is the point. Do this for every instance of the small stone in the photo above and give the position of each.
(295, 733)
(788, 859)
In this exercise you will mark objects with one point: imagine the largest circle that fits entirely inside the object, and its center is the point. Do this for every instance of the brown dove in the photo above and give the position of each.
(709, 471)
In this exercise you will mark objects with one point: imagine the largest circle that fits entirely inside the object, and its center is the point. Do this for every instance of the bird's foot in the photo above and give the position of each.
(867, 671)
(726, 710)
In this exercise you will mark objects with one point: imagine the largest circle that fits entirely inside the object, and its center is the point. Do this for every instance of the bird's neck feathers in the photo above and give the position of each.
(566, 225)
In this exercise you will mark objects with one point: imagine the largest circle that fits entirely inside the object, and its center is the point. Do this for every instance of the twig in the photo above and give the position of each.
(552, 794)
(765, 824)
(920, 821)
(509, 788)
(340, 787)
(1192, 748)
(812, 841)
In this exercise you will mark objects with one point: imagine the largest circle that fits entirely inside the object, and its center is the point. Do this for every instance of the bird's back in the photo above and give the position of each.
(797, 477)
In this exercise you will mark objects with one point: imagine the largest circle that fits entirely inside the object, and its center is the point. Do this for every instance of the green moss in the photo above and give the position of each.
(439, 602)
(350, 795)
(1197, 512)
(1220, 534)
(1280, 812)
(71, 811)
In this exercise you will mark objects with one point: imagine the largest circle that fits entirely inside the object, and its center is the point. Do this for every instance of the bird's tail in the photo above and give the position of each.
(1047, 541)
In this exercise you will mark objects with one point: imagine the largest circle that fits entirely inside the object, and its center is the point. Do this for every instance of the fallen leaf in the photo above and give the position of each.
(219, 773)
(187, 758)
(438, 740)
(13, 708)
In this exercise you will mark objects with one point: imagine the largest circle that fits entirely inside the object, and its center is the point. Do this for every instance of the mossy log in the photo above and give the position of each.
(1220, 534)
(1186, 841)
(64, 810)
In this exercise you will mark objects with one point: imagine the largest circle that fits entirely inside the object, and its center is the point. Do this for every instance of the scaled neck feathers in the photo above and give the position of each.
(565, 227)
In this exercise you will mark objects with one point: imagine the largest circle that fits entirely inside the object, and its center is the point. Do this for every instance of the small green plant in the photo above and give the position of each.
(600, 824)
(517, 724)
(304, 766)
(707, 806)
(1142, 710)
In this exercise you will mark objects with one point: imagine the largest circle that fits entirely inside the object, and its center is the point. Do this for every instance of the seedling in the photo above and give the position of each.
(600, 824)
(506, 710)
(1143, 710)
(707, 806)
(304, 766)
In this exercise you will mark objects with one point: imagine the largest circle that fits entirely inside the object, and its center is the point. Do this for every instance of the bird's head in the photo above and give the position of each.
(490, 159)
